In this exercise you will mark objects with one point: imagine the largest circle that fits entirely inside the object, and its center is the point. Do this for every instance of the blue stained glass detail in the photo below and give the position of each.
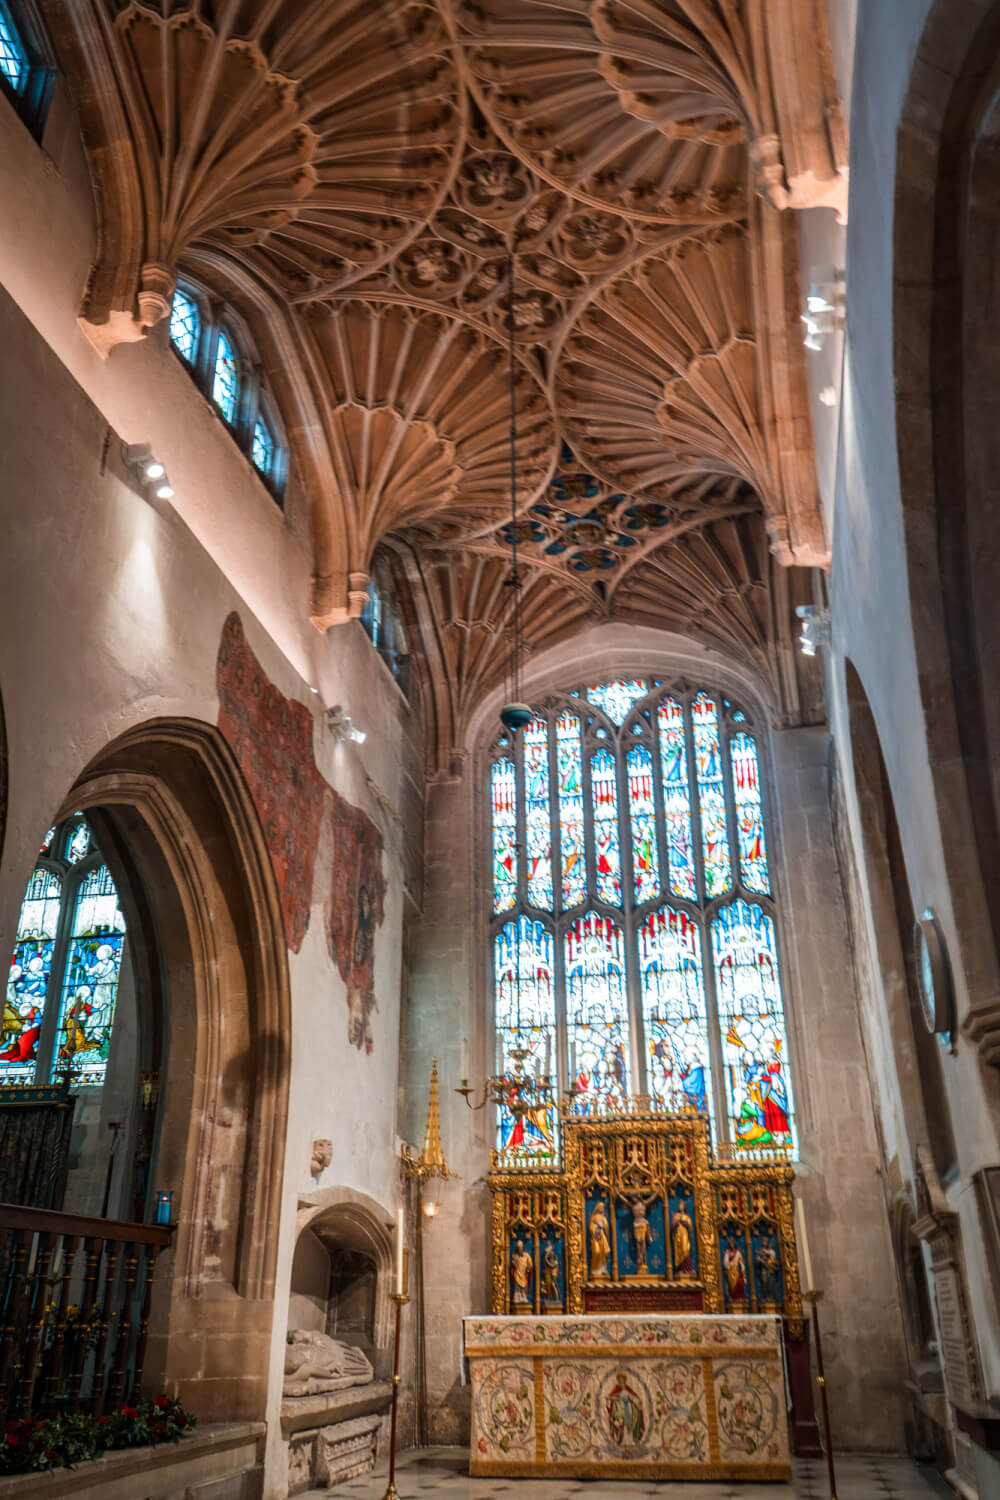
(607, 850)
(569, 775)
(225, 381)
(749, 814)
(523, 970)
(642, 815)
(28, 977)
(711, 797)
(90, 983)
(537, 815)
(752, 1022)
(674, 1013)
(597, 1013)
(184, 325)
(14, 63)
(618, 698)
(47, 841)
(504, 790)
(262, 447)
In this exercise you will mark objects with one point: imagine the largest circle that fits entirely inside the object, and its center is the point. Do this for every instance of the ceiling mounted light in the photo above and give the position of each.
(515, 713)
(824, 312)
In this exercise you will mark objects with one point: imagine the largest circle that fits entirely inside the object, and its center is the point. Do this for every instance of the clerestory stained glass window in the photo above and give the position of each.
(262, 447)
(62, 985)
(14, 62)
(225, 380)
(633, 913)
(185, 325)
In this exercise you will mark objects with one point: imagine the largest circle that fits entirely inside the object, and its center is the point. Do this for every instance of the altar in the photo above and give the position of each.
(632, 1397)
(647, 1309)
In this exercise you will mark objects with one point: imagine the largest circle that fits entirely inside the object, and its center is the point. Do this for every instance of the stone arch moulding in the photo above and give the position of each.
(945, 234)
(176, 803)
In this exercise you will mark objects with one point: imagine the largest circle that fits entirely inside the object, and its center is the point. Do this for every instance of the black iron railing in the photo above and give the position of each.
(74, 1310)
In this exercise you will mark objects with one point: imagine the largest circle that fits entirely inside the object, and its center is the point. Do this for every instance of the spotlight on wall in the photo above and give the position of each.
(151, 474)
(824, 312)
(816, 628)
(338, 721)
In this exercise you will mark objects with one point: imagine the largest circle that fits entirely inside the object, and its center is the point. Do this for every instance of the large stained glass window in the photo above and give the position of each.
(633, 914)
(62, 985)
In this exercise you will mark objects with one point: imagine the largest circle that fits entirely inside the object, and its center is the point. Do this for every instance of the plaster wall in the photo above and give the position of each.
(112, 614)
(449, 1017)
(874, 609)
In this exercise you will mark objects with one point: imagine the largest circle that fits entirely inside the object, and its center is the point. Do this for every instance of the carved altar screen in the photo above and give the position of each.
(635, 935)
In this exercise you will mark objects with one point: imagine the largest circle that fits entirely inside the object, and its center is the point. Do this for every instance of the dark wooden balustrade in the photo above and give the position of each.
(74, 1310)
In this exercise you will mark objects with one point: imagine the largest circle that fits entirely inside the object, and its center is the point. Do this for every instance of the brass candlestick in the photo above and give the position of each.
(400, 1299)
(813, 1297)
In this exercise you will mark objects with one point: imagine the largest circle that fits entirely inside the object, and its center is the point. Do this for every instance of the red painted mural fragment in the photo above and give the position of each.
(272, 738)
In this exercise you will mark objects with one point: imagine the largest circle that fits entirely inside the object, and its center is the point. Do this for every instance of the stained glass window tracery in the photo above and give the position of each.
(185, 325)
(60, 1019)
(607, 846)
(524, 980)
(538, 817)
(14, 63)
(262, 447)
(569, 771)
(597, 1012)
(225, 380)
(673, 988)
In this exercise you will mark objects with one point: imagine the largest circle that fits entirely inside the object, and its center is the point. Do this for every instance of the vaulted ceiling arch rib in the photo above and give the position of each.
(309, 141)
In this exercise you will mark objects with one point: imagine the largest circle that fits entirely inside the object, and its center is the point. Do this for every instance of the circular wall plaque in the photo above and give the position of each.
(933, 974)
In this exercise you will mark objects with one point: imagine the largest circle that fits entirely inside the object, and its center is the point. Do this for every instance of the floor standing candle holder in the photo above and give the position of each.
(813, 1297)
(400, 1299)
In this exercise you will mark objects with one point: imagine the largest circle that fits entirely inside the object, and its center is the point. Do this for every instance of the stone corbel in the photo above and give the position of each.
(337, 598)
(154, 299)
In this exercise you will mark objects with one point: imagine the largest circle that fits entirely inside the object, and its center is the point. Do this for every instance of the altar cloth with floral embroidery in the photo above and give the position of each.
(648, 1396)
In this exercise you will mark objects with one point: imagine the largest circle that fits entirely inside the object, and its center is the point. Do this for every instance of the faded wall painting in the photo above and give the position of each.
(356, 908)
(272, 737)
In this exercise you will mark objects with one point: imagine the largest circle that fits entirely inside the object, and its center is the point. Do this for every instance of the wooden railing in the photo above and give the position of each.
(74, 1310)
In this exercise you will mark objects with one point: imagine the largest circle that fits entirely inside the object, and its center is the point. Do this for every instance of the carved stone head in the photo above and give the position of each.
(322, 1156)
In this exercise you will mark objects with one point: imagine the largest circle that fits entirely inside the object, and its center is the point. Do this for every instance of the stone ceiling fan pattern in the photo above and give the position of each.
(359, 170)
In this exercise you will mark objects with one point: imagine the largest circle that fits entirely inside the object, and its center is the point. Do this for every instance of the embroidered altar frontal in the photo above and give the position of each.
(629, 1397)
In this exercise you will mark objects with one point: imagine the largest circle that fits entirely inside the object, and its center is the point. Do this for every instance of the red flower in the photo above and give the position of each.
(483, 1445)
(162, 1401)
(13, 1440)
(129, 1411)
(160, 1429)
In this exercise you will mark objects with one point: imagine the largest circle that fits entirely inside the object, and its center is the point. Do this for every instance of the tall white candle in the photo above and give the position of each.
(808, 1285)
(399, 1253)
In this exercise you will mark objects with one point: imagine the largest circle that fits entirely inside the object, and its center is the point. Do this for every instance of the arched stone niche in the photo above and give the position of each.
(340, 1286)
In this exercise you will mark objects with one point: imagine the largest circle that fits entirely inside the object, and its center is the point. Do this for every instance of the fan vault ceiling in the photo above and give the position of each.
(351, 175)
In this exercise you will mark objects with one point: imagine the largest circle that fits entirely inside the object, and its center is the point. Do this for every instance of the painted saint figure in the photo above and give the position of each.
(681, 1236)
(767, 1272)
(522, 1269)
(550, 1276)
(626, 1419)
(735, 1269)
(600, 1243)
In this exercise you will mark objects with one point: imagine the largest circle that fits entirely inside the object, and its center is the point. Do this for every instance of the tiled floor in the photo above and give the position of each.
(429, 1472)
